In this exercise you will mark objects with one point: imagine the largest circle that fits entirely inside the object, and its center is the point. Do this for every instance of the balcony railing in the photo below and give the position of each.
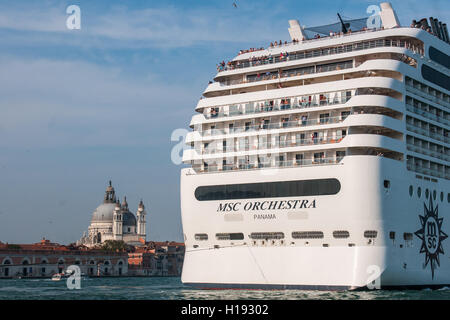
(294, 163)
(266, 108)
(351, 47)
(275, 125)
(427, 114)
(211, 149)
(426, 95)
(428, 171)
(292, 72)
(428, 152)
(427, 133)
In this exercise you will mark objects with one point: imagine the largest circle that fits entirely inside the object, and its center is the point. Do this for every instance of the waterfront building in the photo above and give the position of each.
(157, 259)
(44, 259)
(113, 220)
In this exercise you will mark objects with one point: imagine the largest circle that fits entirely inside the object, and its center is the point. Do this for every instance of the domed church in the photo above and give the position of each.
(113, 220)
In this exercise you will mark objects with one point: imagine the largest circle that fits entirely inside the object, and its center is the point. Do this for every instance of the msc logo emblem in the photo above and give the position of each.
(431, 235)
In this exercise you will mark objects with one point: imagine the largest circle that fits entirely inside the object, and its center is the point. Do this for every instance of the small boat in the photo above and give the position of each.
(57, 276)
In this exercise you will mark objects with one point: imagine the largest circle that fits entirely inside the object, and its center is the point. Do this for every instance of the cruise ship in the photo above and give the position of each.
(323, 162)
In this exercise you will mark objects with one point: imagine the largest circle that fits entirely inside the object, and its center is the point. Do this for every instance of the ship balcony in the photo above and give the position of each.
(424, 91)
(370, 85)
(306, 103)
(428, 167)
(442, 155)
(256, 63)
(443, 118)
(357, 117)
(386, 140)
(291, 160)
(313, 75)
(439, 136)
(373, 60)
(294, 163)
(268, 107)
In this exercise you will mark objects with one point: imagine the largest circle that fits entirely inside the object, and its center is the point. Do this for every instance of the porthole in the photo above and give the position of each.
(307, 235)
(427, 193)
(407, 236)
(341, 234)
(419, 192)
(370, 234)
(201, 236)
(442, 196)
(411, 191)
(434, 194)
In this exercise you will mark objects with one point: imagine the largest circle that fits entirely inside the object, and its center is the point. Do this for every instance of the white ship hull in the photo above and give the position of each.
(363, 203)
(324, 168)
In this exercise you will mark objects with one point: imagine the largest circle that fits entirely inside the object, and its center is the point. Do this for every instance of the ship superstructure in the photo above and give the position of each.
(323, 162)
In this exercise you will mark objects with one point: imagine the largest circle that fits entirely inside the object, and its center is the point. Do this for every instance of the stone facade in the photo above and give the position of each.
(157, 259)
(44, 259)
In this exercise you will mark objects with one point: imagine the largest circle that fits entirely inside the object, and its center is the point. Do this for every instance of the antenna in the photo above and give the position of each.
(344, 25)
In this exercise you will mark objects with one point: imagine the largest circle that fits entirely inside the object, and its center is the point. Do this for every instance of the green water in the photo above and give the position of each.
(160, 288)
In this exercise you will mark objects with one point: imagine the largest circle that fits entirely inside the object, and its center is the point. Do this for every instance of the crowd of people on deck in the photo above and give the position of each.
(254, 61)
(250, 50)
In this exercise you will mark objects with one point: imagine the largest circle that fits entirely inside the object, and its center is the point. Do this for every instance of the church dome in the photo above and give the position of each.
(104, 213)
(129, 220)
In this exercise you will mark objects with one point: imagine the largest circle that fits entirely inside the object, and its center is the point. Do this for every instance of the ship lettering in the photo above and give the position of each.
(227, 207)
(264, 216)
(267, 205)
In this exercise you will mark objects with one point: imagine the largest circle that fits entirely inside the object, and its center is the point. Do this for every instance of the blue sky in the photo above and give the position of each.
(80, 107)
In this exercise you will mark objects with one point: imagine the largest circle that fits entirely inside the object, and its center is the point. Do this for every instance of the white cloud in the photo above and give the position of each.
(152, 27)
(54, 103)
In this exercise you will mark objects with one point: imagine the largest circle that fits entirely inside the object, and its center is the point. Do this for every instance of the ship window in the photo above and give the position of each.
(419, 192)
(370, 234)
(201, 236)
(411, 191)
(266, 235)
(407, 236)
(435, 77)
(434, 194)
(427, 193)
(229, 236)
(341, 234)
(442, 196)
(387, 184)
(448, 197)
(439, 57)
(299, 188)
(307, 235)
(392, 235)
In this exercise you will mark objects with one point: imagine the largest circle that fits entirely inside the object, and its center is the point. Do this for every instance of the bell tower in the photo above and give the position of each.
(110, 194)
(141, 221)
(117, 222)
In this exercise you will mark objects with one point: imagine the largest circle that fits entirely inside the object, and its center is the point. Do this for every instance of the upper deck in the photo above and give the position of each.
(315, 101)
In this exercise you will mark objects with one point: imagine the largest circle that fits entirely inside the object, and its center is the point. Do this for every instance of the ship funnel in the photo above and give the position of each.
(444, 27)
(295, 30)
(388, 16)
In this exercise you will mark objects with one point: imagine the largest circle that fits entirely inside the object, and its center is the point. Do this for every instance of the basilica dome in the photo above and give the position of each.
(129, 219)
(113, 220)
(104, 213)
